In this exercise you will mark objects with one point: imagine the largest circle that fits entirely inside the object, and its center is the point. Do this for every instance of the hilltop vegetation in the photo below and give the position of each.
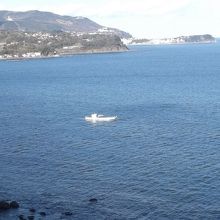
(16, 44)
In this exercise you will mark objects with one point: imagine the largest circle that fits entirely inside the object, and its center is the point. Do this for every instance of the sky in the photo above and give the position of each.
(141, 18)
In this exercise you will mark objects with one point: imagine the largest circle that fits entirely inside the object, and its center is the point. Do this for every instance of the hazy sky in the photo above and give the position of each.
(141, 18)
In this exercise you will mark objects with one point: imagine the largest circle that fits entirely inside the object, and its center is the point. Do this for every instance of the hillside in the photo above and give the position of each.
(38, 34)
(38, 21)
(18, 44)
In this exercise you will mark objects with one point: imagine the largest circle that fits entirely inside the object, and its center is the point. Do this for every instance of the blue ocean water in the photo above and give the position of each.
(159, 160)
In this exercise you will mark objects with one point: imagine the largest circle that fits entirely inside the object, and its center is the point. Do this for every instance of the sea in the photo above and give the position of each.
(159, 160)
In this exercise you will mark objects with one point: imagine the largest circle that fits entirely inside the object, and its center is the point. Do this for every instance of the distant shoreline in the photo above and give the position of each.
(192, 39)
(164, 44)
(64, 55)
(91, 52)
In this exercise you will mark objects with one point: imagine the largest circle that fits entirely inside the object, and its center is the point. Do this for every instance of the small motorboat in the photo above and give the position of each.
(99, 118)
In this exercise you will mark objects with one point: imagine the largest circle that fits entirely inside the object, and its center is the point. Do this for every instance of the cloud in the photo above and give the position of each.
(100, 8)
(141, 17)
(124, 8)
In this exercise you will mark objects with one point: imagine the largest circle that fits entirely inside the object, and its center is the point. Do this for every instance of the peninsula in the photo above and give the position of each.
(36, 34)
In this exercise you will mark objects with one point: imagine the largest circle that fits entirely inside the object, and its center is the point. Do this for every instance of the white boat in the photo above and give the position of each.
(99, 118)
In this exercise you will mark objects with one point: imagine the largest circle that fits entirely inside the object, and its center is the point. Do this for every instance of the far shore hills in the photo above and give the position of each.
(192, 39)
(37, 34)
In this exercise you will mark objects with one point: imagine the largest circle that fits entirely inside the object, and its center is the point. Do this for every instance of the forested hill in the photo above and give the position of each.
(18, 44)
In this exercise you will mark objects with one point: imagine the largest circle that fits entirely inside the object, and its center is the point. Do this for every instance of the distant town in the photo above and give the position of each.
(192, 39)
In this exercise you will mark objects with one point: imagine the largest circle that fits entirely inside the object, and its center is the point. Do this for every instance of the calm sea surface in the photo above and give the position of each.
(159, 160)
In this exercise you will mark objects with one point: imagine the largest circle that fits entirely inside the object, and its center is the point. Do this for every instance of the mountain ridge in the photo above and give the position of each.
(36, 21)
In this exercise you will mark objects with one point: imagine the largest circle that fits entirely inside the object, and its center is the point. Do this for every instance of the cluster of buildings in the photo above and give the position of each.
(176, 40)
(16, 56)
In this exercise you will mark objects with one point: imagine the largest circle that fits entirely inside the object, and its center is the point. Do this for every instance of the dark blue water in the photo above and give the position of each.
(159, 160)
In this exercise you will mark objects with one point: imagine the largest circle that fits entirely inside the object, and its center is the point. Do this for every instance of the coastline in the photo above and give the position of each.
(161, 44)
(91, 52)
(102, 51)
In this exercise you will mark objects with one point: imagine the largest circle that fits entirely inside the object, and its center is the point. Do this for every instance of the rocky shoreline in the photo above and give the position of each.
(31, 213)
